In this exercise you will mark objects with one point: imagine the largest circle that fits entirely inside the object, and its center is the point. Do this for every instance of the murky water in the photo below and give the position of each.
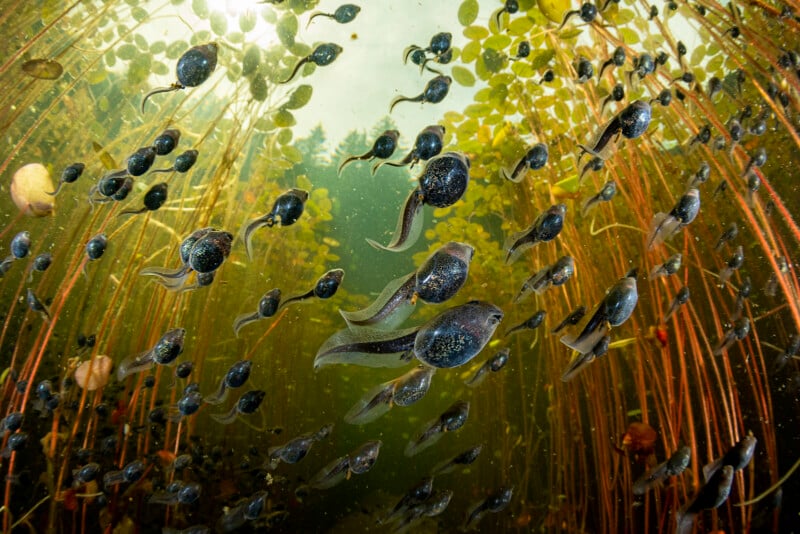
(115, 420)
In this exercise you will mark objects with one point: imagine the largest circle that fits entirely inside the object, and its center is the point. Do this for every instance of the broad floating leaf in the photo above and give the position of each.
(219, 22)
(200, 8)
(283, 118)
(520, 26)
(463, 76)
(497, 42)
(629, 36)
(139, 14)
(476, 33)
(247, 21)
(126, 52)
(299, 97)
(158, 47)
(176, 49)
(541, 59)
(493, 60)
(468, 12)
(287, 29)
(623, 16)
(470, 52)
(571, 33)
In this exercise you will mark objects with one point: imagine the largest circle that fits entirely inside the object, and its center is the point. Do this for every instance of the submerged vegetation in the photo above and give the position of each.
(649, 151)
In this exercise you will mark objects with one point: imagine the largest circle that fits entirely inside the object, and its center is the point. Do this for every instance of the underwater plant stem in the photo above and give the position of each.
(772, 488)
(277, 320)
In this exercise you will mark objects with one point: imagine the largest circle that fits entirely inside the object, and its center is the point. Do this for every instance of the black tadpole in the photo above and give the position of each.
(325, 288)
(155, 197)
(287, 209)
(194, 67)
(383, 148)
(68, 176)
(182, 164)
(435, 91)
(323, 55)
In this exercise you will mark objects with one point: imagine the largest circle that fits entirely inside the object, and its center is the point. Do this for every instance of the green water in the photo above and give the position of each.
(561, 445)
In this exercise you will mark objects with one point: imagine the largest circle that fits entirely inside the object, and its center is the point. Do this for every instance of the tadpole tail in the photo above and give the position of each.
(399, 99)
(603, 68)
(226, 418)
(316, 14)
(409, 225)
(496, 17)
(171, 169)
(344, 164)
(219, 396)
(605, 102)
(254, 225)
(171, 88)
(566, 18)
(244, 319)
(164, 273)
(408, 51)
(132, 212)
(296, 298)
(294, 72)
(54, 193)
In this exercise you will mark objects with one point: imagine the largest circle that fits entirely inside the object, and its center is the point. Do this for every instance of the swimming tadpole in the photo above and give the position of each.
(434, 92)
(439, 44)
(323, 55)
(287, 209)
(357, 462)
(666, 225)
(194, 67)
(164, 352)
(549, 276)
(509, 6)
(492, 365)
(295, 449)
(69, 175)
(166, 141)
(545, 227)
(267, 307)
(437, 280)
(615, 308)
(429, 143)
(450, 339)
(402, 391)
(247, 404)
(183, 163)
(235, 377)
(441, 184)
(534, 159)
(343, 14)
(674, 466)
(155, 197)
(494, 503)
(604, 195)
(383, 148)
(450, 420)
(631, 123)
(325, 287)
(203, 252)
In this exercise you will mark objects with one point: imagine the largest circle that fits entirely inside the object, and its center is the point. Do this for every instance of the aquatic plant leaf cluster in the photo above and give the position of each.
(613, 182)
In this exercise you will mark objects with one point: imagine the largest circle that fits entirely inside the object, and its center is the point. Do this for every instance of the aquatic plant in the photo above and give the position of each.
(84, 452)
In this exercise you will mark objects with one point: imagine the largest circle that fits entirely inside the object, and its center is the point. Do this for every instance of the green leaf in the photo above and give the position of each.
(160, 68)
(110, 58)
(715, 63)
(493, 59)
(520, 26)
(126, 52)
(287, 29)
(541, 59)
(158, 47)
(468, 12)
(219, 22)
(200, 8)
(698, 54)
(176, 49)
(624, 16)
(285, 136)
(141, 42)
(299, 97)
(247, 21)
(476, 33)
(139, 14)
(629, 36)
(477, 110)
(235, 37)
(258, 88)
(463, 76)
(251, 59)
(471, 52)
(497, 42)
(571, 34)
(292, 154)
(523, 70)
(283, 118)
